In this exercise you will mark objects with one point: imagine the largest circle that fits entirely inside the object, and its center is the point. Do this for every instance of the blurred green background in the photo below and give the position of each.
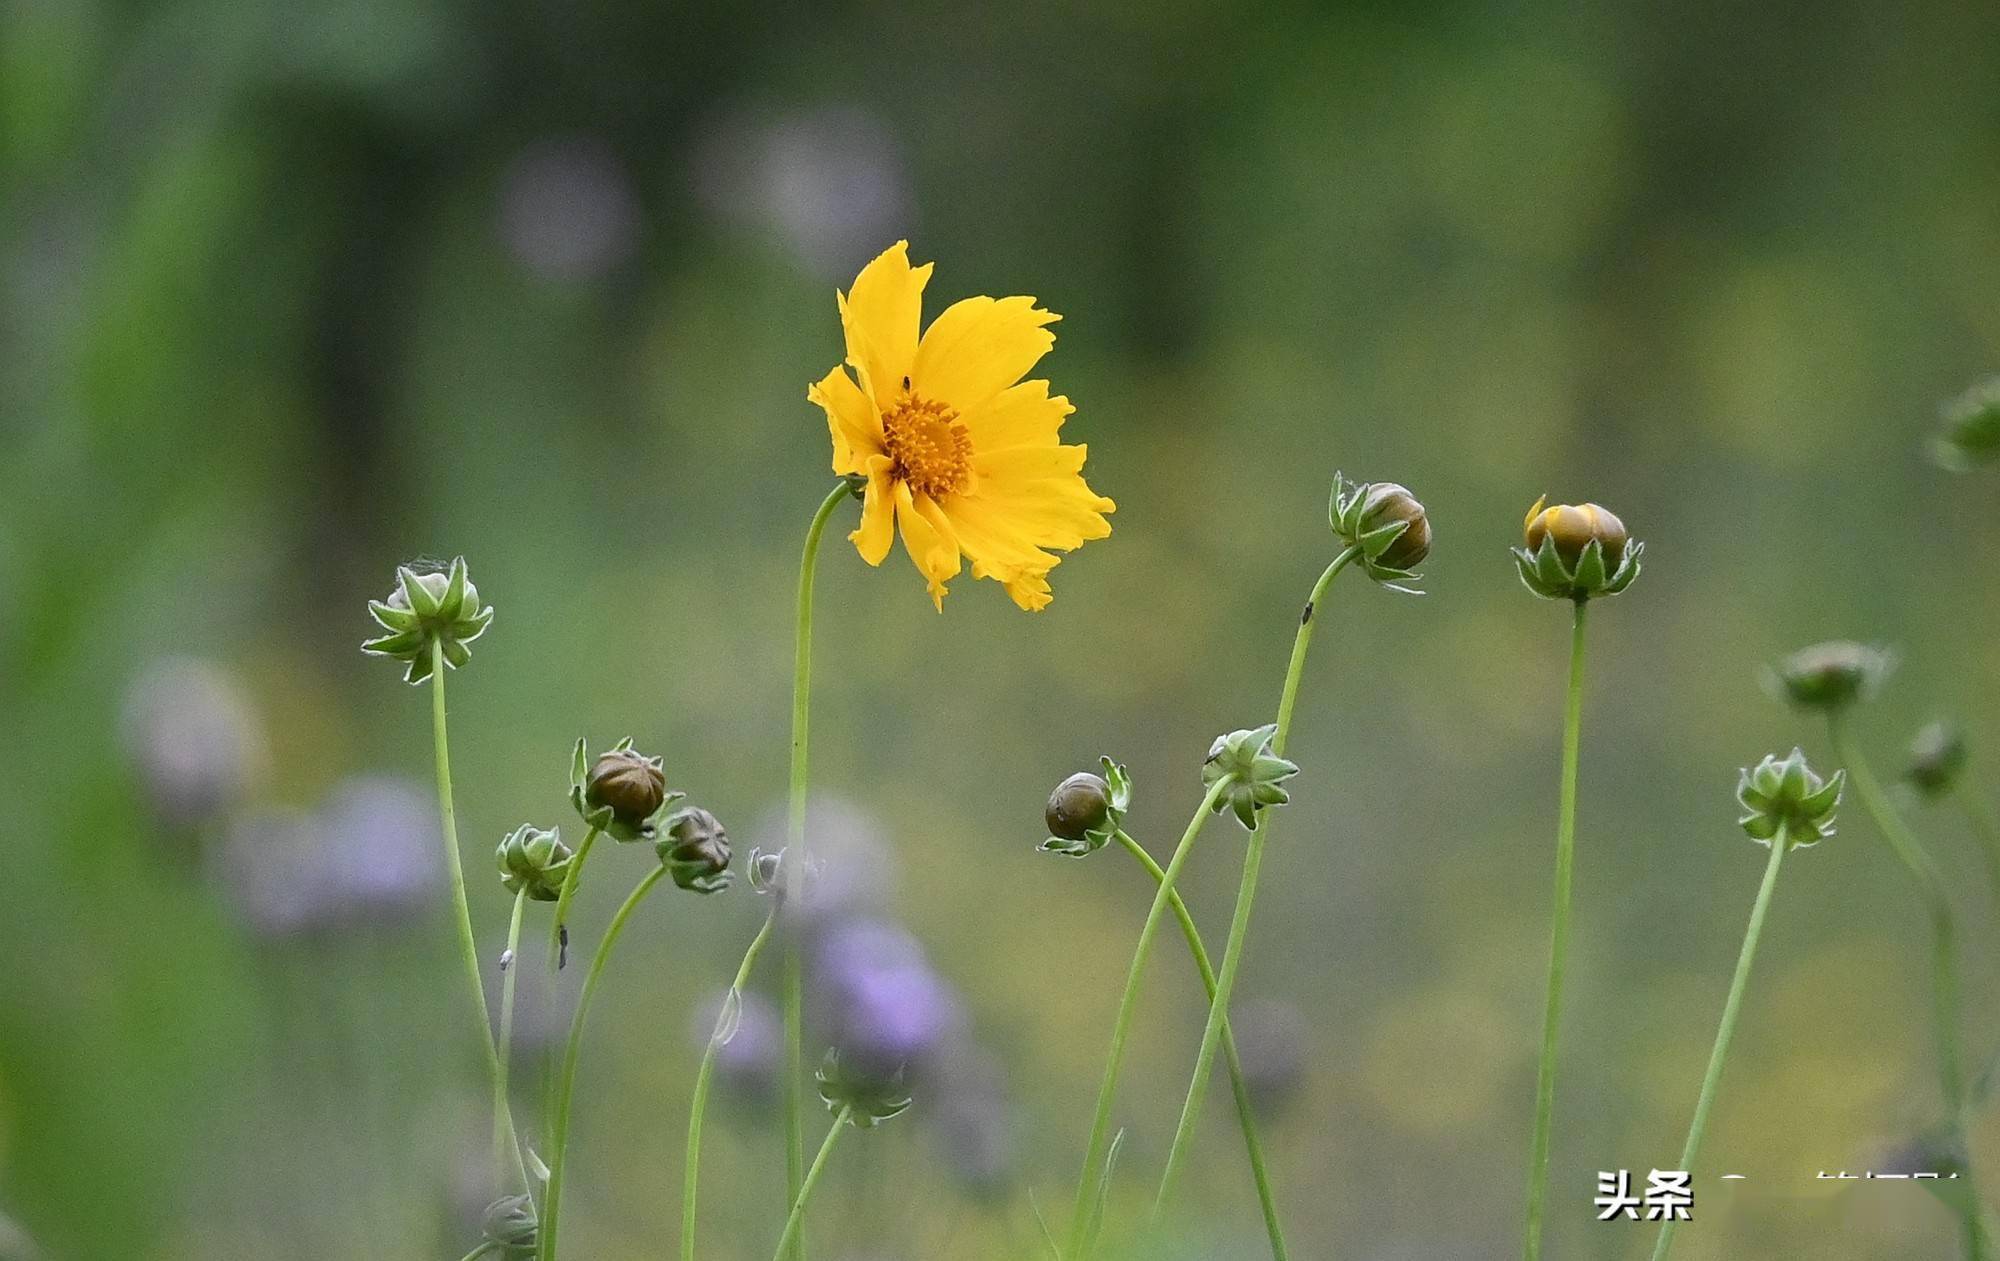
(291, 294)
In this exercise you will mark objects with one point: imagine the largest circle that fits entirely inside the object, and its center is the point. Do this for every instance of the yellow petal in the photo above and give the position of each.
(980, 346)
(880, 316)
(1031, 591)
(877, 529)
(851, 420)
(1020, 416)
(995, 544)
(932, 549)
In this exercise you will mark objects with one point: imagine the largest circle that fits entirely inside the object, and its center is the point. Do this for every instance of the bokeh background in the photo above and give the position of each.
(293, 293)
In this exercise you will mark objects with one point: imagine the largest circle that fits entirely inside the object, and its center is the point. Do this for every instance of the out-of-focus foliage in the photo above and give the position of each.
(292, 294)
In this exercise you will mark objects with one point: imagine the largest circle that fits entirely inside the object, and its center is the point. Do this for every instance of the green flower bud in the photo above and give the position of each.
(1831, 675)
(1257, 773)
(509, 1225)
(1937, 759)
(1576, 552)
(426, 609)
(873, 1098)
(767, 869)
(1787, 794)
(695, 850)
(622, 794)
(1971, 434)
(1387, 523)
(1086, 810)
(534, 860)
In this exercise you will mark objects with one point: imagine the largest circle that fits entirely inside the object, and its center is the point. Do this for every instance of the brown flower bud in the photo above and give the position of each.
(1079, 806)
(695, 850)
(1388, 502)
(630, 783)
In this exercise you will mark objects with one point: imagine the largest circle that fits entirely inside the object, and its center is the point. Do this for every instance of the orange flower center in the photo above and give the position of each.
(928, 446)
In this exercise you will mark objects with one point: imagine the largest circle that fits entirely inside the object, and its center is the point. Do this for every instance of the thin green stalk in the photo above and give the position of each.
(691, 1168)
(1545, 1073)
(509, 965)
(566, 1084)
(1944, 962)
(557, 937)
(1107, 1090)
(1727, 1029)
(796, 1222)
(480, 1251)
(1246, 1111)
(506, 1151)
(1246, 897)
(792, 876)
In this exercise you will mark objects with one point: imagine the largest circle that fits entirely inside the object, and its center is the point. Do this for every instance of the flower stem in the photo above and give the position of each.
(506, 1151)
(796, 1222)
(566, 1083)
(1545, 1073)
(1100, 1125)
(1245, 1110)
(692, 1166)
(1944, 962)
(510, 964)
(1246, 896)
(558, 939)
(792, 876)
(480, 1251)
(1727, 1029)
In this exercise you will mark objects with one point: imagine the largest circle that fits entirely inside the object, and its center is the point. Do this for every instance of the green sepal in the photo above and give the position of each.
(869, 1100)
(1589, 575)
(422, 602)
(1254, 772)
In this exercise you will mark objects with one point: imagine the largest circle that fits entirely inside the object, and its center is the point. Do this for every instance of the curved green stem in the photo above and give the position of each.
(1545, 1072)
(566, 1083)
(510, 964)
(796, 1221)
(480, 1251)
(1727, 1029)
(506, 1151)
(1107, 1090)
(1246, 897)
(691, 1168)
(792, 875)
(1246, 1111)
(558, 939)
(1944, 961)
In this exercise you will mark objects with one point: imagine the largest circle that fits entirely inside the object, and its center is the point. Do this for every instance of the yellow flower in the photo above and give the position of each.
(957, 449)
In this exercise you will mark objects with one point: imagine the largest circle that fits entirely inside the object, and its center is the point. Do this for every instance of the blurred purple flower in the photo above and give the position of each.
(749, 1062)
(193, 739)
(568, 210)
(881, 1003)
(382, 853)
(370, 855)
(831, 182)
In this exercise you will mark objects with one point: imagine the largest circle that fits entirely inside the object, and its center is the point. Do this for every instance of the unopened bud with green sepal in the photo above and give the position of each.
(1971, 436)
(1784, 794)
(509, 1225)
(1384, 521)
(1086, 810)
(871, 1098)
(429, 611)
(695, 850)
(1256, 775)
(623, 793)
(1937, 760)
(1830, 675)
(1576, 552)
(534, 861)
